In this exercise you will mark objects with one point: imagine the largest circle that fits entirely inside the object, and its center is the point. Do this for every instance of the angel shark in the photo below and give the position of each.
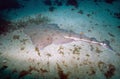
(45, 34)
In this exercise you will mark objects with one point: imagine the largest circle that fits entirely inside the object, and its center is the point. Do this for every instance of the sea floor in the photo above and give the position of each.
(20, 59)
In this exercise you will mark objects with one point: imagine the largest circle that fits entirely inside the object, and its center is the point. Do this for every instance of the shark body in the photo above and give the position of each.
(46, 34)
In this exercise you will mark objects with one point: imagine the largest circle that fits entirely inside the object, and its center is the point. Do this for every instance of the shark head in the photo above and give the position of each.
(106, 44)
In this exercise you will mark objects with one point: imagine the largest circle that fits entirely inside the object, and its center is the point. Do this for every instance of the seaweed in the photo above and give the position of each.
(4, 25)
(3, 68)
(23, 41)
(43, 70)
(117, 15)
(22, 48)
(48, 54)
(51, 8)
(91, 71)
(72, 3)
(118, 27)
(9, 4)
(61, 50)
(61, 74)
(109, 1)
(101, 65)
(37, 50)
(98, 50)
(47, 2)
(80, 11)
(24, 73)
(76, 50)
(110, 72)
(38, 19)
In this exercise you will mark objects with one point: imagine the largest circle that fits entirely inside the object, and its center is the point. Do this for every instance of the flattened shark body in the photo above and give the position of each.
(46, 34)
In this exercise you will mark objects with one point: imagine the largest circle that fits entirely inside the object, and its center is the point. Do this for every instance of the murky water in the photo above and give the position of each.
(96, 21)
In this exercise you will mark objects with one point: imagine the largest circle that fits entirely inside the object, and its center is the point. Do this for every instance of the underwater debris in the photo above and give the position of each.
(110, 72)
(61, 74)
(22, 48)
(110, 34)
(72, 3)
(88, 15)
(89, 30)
(16, 37)
(87, 55)
(48, 54)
